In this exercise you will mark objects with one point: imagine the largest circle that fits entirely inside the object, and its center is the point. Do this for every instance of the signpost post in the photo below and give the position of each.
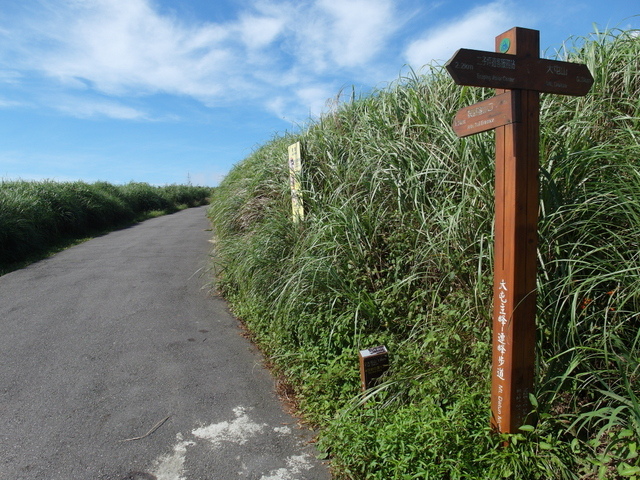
(518, 75)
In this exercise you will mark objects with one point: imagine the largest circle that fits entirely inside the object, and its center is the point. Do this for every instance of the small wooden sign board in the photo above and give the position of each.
(515, 115)
(495, 112)
(373, 363)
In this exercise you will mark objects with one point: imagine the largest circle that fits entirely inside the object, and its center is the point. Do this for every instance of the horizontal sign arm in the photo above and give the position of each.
(492, 113)
(501, 70)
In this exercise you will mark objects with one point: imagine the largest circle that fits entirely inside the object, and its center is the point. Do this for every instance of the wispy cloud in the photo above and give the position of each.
(476, 29)
(10, 103)
(258, 32)
(130, 48)
(85, 108)
(275, 53)
(345, 33)
(127, 47)
(9, 76)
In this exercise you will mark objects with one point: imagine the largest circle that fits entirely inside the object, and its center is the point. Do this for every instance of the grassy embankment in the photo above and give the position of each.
(396, 249)
(38, 218)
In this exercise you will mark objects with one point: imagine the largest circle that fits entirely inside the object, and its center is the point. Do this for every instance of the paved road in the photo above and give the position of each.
(103, 341)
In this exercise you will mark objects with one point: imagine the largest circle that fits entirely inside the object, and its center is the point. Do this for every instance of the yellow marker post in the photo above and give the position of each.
(295, 172)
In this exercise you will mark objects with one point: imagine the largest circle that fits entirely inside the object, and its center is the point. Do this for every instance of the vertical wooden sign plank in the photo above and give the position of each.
(517, 152)
(295, 172)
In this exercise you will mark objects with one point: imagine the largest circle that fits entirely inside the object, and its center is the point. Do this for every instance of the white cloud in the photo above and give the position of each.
(259, 32)
(316, 97)
(9, 76)
(82, 108)
(477, 29)
(335, 34)
(358, 28)
(123, 47)
(278, 106)
(271, 48)
(4, 103)
(304, 102)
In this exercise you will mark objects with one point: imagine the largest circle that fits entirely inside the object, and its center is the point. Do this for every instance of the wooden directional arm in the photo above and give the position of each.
(492, 113)
(502, 70)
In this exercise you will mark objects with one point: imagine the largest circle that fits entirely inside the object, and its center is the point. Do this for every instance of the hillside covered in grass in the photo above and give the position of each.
(396, 248)
(36, 217)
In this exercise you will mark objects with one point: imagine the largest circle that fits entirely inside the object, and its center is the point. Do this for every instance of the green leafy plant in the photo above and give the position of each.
(37, 217)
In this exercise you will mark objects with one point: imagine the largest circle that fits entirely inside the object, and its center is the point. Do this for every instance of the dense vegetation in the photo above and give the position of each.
(38, 216)
(396, 249)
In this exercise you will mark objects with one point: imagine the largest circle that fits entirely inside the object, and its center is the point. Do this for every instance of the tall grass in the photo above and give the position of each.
(396, 249)
(35, 216)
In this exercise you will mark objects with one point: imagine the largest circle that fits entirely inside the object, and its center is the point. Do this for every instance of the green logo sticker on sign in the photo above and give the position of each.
(505, 45)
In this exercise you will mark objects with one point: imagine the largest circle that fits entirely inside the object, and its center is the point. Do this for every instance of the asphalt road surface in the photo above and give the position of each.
(117, 363)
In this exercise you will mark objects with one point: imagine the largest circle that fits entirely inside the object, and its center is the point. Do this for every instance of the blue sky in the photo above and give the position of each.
(171, 91)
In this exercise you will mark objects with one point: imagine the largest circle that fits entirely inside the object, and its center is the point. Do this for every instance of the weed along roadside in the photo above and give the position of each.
(38, 218)
(396, 248)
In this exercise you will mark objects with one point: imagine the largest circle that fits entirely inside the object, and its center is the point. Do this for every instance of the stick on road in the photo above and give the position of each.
(102, 342)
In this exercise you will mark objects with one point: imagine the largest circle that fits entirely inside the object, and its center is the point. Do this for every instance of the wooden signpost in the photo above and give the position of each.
(515, 115)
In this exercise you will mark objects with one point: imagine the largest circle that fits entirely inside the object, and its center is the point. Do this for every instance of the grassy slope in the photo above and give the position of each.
(39, 217)
(396, 249)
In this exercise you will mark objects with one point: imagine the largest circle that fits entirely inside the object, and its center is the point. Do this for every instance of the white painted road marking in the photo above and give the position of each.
(238, 431)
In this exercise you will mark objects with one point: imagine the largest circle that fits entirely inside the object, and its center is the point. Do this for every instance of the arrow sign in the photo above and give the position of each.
(502, 70)
(495, 112)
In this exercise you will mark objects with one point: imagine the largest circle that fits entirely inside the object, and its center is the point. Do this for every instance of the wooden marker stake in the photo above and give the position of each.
(373, 363)
(518, 74)
(295, 171)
